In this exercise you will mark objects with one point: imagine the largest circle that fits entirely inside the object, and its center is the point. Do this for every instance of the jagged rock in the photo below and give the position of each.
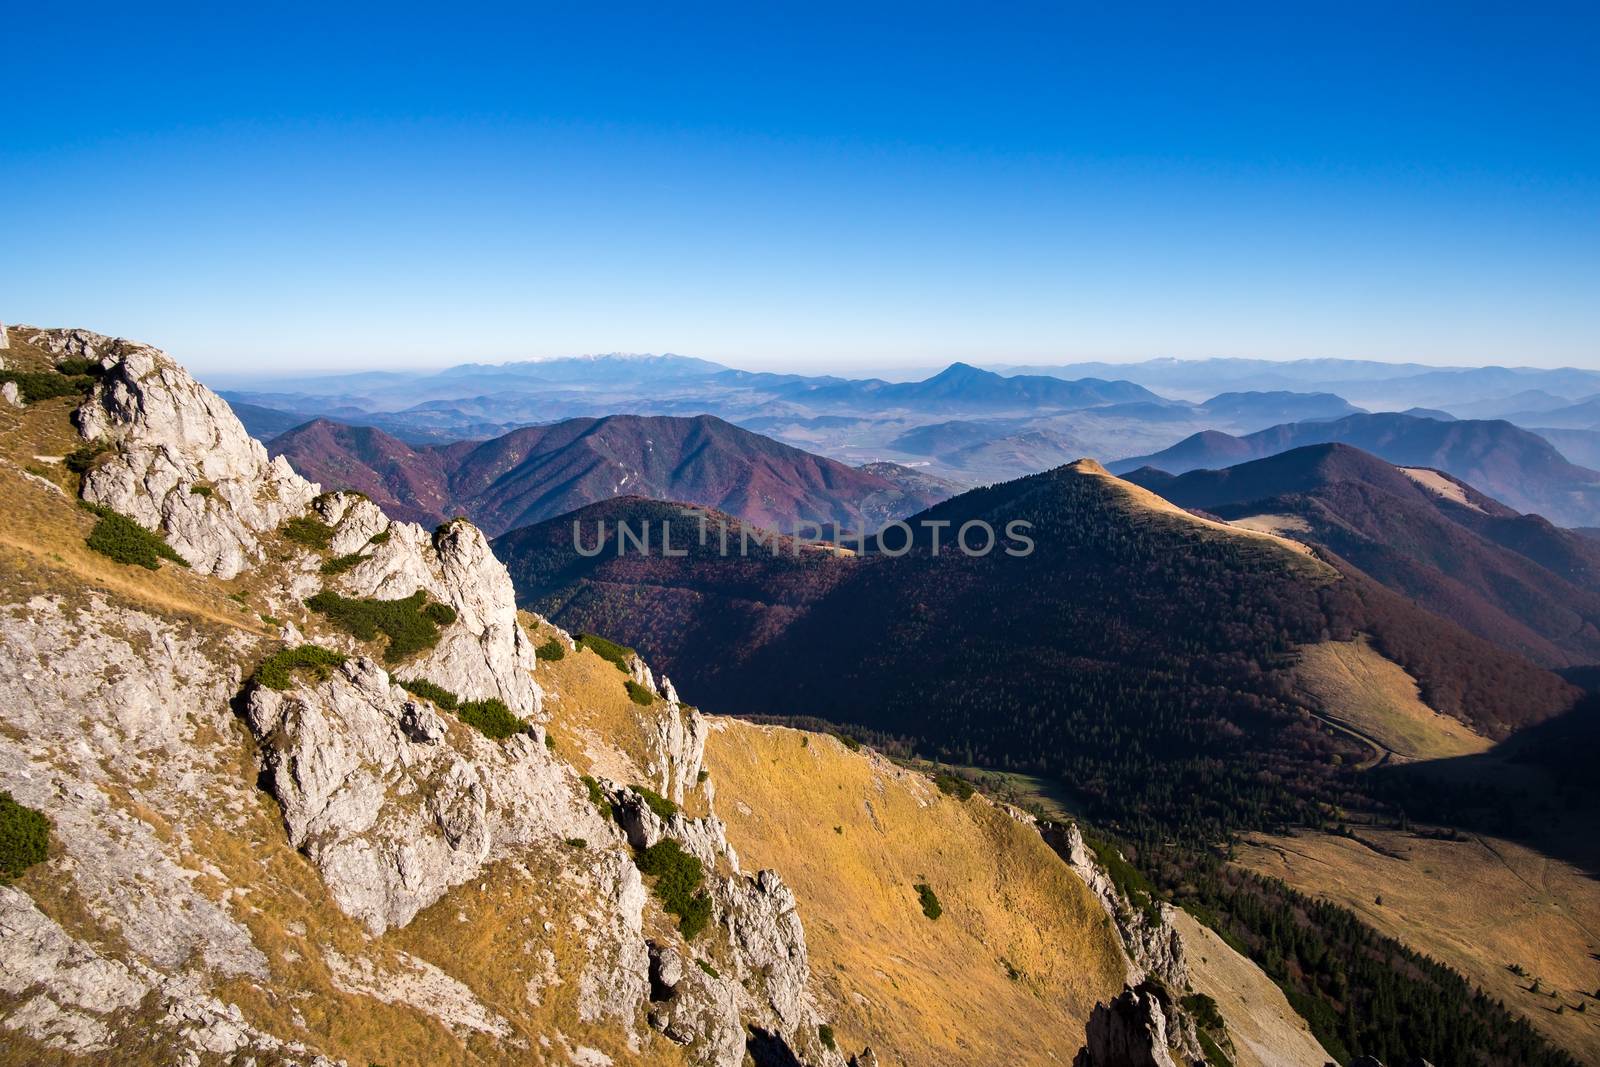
(421, 723)
(356, 520)
(766, 938)
(485, 653)
(639, 671)
(666, 970)
(71, 985)
(1154, 946)
(680, 748)
(865, 1058)
(1131, 1031)
(667, 691)
(339, 755)
(5, 342)
(10, 392)
(173, 434)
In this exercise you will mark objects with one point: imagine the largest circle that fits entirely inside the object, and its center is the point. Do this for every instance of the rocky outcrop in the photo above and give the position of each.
(1132, 1031)
(485, 653)
(183, 463)
(767, 976)
(391, 816)
(679, 744)
(1153, 944)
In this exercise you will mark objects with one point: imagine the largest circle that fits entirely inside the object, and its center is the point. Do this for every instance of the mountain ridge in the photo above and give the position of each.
(540, 471)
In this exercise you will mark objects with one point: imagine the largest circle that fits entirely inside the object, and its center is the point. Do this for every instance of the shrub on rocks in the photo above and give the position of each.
(24, 838)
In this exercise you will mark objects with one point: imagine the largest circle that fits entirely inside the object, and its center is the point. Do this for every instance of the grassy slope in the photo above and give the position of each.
(918, 991)
(1264, 1029)
(1476, 905)
(1356, 687)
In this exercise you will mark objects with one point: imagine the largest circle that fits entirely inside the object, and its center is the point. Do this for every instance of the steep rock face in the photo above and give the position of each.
(485, 652)
(173, 436)
(1154, 947)
(391, 816)
(1131, 1031)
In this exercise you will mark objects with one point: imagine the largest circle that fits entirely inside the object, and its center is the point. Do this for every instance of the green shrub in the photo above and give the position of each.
(711, 972)
(577, 842)
(491, 718)
(656, 802)
(597, 796)
(381, 537)
(308, 530)
(551, 650)
(1205, 1011)
(953, 785)
(73, 367)
(639, 694)
(678, 878)
(427, 690)
(340, 564)
(24, 838)
(825, 1035)
(45, 385)
(404, 622)
(275, 669)
(607, 650)
(125, 541)
(849, 742)
(272, 620)
(439, 614)
(930, 903)
(80, 459)
(200, 490)
(1215, 1057)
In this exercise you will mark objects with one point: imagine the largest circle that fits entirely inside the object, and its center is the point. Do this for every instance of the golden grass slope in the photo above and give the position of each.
(1151, 503)
(1265, 1030)
(1016, 961)
(1359, 689)
(1477, 905)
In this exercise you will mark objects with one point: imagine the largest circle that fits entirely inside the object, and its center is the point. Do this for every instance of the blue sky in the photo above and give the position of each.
(805, 186)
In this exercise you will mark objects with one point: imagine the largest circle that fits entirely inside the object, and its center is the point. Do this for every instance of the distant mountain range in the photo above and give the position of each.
(1507, 462)
(1513, 579)
(541, 471)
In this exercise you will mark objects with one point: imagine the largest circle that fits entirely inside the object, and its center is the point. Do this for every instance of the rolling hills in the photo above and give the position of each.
(1513, 579)
(1140, 653)
(1507, 462)
(538, 472)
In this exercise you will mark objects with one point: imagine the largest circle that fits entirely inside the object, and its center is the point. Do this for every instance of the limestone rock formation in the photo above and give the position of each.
(485, 653)
(183, 463)
(1131, 1031)
(391, 818)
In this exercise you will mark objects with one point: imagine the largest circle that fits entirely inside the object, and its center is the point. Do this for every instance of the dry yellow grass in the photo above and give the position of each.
(1017, 960)
(1435, 482)
(1373, 697)
(1265, 1030)
(1148, 501)
(1278, 525)
(1477, 905)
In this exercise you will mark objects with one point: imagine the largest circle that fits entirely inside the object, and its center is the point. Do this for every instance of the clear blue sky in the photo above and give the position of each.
(808, 186)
